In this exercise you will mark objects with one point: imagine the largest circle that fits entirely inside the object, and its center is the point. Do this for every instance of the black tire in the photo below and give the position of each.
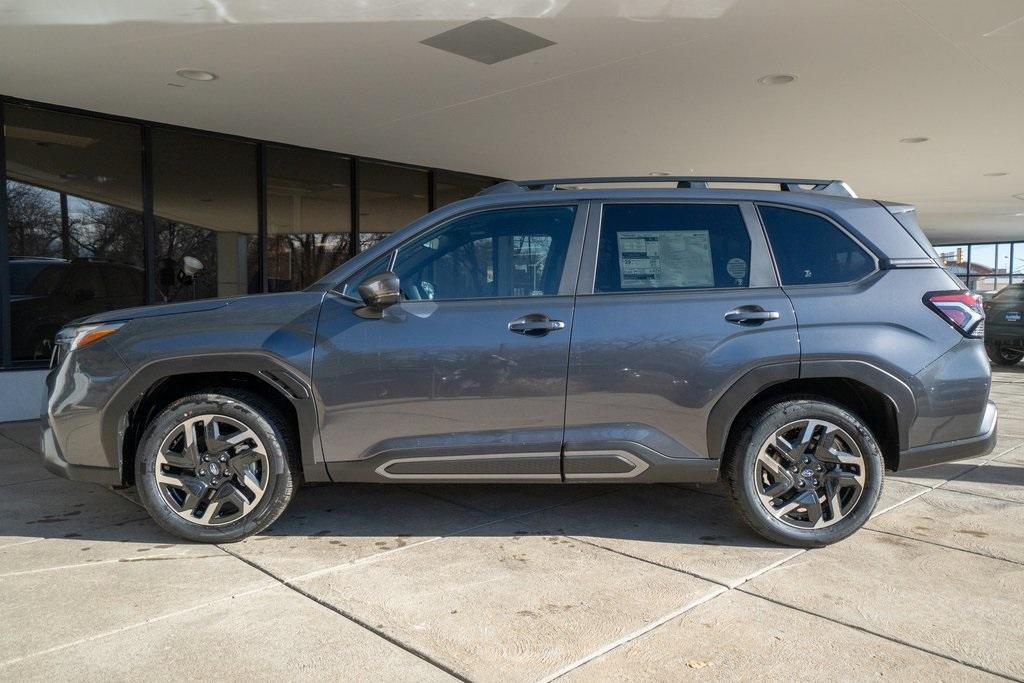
(1000, 355)
(743, 488)
(283, 476)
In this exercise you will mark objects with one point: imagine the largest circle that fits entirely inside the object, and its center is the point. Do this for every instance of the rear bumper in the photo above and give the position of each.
(971, 447)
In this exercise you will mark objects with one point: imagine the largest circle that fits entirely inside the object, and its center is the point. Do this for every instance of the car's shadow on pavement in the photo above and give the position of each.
(648, 513)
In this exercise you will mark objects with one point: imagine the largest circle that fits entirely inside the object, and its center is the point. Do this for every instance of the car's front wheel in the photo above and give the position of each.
(804, 472)
(214, 467)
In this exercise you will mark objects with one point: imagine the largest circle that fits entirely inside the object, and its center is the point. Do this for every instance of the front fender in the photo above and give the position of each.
(270, 370)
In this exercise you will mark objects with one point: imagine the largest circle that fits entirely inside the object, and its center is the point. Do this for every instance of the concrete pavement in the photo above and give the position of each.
(520, 583)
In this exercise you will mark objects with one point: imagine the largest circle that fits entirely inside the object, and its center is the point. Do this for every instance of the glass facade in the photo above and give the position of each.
(99, 213)
(985, 267)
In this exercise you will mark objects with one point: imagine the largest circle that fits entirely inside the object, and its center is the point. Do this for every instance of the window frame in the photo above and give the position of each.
(762, 270)
(566, 284)
(839, 226)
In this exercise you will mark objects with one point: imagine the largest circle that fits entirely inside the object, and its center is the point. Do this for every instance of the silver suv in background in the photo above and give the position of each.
(794, 343)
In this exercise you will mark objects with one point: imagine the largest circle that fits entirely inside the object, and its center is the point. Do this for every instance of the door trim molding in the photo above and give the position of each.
(638, 464)
(382, 470)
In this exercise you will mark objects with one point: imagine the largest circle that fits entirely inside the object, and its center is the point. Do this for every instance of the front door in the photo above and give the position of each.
(677, 302)
(465, 378)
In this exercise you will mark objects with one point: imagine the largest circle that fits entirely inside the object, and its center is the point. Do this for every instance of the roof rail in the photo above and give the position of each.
(832, 187)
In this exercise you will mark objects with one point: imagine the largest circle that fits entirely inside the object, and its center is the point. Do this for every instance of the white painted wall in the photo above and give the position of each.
(21, 394)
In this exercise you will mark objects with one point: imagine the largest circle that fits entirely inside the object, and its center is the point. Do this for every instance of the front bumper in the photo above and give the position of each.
(971, 447)
(54, 461)
(78, 390)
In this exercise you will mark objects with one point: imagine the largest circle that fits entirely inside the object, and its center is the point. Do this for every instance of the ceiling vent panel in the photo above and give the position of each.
(488, 41)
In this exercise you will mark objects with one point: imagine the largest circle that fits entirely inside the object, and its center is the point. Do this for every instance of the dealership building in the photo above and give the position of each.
(159, 152)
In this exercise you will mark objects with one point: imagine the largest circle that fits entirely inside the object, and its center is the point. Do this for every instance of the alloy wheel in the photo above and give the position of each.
(809, 474)
(212, 469)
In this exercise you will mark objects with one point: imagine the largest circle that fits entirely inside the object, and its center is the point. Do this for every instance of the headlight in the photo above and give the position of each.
(71, 338)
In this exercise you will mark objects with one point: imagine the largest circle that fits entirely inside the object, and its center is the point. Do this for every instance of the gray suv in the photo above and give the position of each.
(793, 343)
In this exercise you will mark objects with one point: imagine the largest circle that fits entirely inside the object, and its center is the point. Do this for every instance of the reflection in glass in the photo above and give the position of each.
(1017, 261)
(308, 216)
(983, 259)
(204, 198)
(502, 253)
(954, 259)
(451, 187)
(75, 226)
(389, 198)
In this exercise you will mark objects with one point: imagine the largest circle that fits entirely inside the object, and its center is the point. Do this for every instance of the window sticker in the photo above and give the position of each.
(665, 258)
(737, 269)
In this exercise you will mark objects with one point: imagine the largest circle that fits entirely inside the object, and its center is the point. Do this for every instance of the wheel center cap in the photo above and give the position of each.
(807, 472)
(214, 468)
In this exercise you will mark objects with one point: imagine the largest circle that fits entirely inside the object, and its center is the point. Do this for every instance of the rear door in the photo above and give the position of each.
(676, 302)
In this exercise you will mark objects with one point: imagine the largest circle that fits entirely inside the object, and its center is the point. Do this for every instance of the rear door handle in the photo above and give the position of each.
(750, 314)
(535, 325)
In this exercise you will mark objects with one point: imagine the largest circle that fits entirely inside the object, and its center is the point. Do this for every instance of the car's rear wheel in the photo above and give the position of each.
(215, 467)
(1001, 355)
(804, 472)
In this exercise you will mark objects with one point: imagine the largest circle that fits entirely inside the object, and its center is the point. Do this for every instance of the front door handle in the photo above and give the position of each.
(535, 325)
(750, 314)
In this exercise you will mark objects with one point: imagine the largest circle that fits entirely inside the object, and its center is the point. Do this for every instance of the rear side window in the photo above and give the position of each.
(810, 250)
(647, 247)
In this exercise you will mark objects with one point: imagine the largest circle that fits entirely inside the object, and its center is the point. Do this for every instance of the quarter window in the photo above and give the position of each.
(672, 246)
(810, 250)
(502, 253)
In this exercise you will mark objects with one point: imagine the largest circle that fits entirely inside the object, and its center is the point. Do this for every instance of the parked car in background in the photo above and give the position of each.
(793, 344)
(1004, 326)
(48, 292)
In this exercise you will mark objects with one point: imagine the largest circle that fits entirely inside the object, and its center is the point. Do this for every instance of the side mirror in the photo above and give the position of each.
(381, 290)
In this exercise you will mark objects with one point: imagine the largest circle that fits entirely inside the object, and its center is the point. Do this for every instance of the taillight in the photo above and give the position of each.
(961, 309)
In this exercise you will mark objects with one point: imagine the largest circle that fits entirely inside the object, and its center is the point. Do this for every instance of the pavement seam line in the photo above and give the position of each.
(437, 496)
(884, 636)
(647, 628)
(101, 563)
(352, 618)
(648, 561)
(129, 627)
(22, 542)
(369, 559)
(879, 513)
(980, 495)
(943, 545)
(30, 481)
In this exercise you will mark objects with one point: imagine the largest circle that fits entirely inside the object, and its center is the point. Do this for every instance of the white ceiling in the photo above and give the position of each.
(632, 86)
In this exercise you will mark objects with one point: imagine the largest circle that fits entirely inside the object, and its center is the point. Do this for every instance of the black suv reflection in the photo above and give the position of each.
(48, 292)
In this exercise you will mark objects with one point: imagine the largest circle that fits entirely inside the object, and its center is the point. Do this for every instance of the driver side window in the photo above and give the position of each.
(502, 253)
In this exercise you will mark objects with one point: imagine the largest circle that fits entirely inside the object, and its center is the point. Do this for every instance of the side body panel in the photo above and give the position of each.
(445, 390)
(646, 368)
(444, 384)
(88, 407)
(879, 332)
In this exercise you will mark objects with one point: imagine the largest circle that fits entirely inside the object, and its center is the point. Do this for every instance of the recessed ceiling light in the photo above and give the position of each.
(996, 174)
(914, 140)
(196, 74)
(776, 79)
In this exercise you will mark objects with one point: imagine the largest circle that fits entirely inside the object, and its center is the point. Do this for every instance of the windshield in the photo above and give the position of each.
(34, 277)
